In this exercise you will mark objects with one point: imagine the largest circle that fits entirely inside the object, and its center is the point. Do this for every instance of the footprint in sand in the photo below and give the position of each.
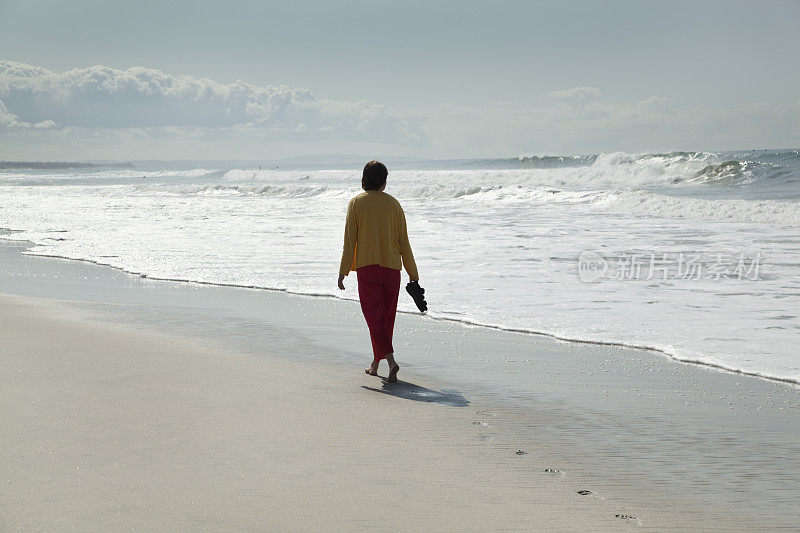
(585, 492)
(485, 412)
(628, 518)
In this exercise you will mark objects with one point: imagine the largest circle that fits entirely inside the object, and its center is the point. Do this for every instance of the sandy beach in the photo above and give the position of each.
(108, 428)
(131, 404)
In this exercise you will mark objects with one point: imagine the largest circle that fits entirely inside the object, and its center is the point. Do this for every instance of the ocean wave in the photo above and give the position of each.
(403, 191)
(555, 161)
(273, 175)
(785, 213)
(609, 158)
(628, 201)
(727, 171)
(675, 168)
(612, 169)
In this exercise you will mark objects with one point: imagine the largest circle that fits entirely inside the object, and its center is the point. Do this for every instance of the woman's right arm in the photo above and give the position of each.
(405, 249)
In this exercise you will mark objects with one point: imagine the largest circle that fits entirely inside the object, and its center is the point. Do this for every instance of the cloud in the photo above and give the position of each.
(141, 113)
(576, 95)
(107, 98)
(7, 118)
(10, 120)
(652, 124)
(656, 104)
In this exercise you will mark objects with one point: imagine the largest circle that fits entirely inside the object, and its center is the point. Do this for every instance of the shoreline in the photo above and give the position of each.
(641, 451)
(523, 331)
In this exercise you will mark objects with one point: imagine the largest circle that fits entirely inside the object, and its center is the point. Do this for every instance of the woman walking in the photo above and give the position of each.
(376, 246)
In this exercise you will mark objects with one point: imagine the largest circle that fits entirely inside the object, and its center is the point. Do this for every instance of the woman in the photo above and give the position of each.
(376, 246)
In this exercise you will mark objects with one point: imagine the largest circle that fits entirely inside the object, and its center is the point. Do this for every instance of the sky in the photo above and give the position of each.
(265, 80)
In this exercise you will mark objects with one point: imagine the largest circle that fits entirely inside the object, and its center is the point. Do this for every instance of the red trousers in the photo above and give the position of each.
(378, 288)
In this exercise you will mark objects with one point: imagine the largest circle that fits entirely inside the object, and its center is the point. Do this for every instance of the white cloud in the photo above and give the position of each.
(102, 97)
(656, 104)
(577, 95)
(7, 118)
(45, 124)
(139, 113)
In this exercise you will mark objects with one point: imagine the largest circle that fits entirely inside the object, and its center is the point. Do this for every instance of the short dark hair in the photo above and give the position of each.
(374, 176)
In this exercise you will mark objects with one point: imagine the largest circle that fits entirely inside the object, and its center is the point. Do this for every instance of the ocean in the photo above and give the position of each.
(694, 254)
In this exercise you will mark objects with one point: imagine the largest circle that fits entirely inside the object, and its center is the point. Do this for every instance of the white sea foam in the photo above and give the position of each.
(641, 203)
(497, 247)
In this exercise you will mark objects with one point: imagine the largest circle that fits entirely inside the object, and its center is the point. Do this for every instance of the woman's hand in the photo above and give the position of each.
(341, 279)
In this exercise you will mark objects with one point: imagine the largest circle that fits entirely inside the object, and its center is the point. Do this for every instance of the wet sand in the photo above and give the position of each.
(132, 404)
(110, 428)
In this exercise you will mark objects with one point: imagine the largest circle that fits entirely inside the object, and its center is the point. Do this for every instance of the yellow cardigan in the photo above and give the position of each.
(375, 233)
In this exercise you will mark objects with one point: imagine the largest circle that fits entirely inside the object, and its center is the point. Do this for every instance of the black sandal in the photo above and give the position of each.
(418, 293)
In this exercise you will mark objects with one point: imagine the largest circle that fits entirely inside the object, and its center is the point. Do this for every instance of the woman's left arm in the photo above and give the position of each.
(349, 246)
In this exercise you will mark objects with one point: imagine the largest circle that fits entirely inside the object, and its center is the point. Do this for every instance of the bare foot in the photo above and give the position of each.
(393, 374)
(372, 370)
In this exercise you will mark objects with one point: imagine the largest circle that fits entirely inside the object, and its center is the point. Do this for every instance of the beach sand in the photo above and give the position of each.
(127, 407)
(109, 428)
